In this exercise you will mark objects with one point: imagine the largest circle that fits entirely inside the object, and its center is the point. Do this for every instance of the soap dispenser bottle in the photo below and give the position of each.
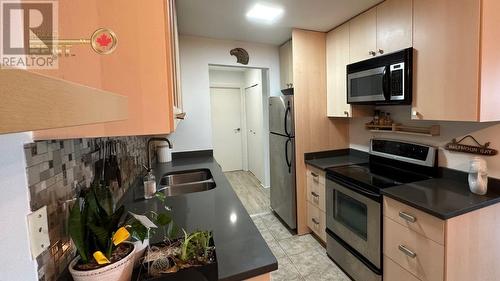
(149, 184)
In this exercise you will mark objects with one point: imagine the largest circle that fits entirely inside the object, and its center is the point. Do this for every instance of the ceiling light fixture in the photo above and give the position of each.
(265, 13)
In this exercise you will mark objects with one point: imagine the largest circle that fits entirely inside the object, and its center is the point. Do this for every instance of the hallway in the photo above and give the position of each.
(254, 197)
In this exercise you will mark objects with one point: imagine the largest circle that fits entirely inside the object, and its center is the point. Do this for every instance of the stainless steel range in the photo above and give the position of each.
(354, 202)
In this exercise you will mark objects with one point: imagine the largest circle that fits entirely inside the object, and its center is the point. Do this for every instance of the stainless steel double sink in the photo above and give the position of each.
(182, 182)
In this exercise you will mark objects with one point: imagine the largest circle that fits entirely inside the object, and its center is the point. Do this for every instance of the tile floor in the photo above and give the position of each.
(299, 257)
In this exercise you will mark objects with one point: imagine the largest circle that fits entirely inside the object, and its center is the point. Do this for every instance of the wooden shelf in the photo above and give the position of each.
(32, 101)
(430, 131)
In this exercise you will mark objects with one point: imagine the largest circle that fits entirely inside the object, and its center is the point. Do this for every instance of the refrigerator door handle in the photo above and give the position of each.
(287, 112)
(288, 162)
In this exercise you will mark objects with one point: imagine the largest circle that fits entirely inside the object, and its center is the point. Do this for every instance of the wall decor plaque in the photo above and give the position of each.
(240, 54)
(479, 149)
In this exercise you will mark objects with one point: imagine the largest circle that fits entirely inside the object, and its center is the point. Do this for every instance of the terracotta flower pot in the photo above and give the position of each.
(118, 271)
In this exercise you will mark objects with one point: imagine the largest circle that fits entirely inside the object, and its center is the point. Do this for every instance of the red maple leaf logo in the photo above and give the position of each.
(103, 40)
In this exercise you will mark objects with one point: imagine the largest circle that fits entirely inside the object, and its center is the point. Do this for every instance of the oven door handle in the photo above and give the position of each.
(357, 189)
(364, 191)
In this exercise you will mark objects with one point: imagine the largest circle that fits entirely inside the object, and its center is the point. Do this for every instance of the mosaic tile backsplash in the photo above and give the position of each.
(57, 171)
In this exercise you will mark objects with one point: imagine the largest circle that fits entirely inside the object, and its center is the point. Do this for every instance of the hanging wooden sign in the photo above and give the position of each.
(455, 145)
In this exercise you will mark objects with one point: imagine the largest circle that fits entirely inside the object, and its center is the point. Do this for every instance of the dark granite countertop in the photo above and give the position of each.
(445, 197)
(333, 158)
(241, 251)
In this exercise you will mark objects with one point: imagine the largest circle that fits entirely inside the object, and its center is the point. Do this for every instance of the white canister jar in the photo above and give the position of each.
(163, 153)
(478, 176)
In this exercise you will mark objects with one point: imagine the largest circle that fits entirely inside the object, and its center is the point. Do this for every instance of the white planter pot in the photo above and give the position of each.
(140, 248)
(118, 271)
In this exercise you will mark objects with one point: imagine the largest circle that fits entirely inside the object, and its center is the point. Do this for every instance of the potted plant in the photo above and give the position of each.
(190, 256)
(141, 234)
(95, 228)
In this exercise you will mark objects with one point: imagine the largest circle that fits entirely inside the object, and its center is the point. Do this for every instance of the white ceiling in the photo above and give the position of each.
(225, 19)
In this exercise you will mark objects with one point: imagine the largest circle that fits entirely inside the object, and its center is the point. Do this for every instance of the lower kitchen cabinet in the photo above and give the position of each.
(419, 246)
(316, 217)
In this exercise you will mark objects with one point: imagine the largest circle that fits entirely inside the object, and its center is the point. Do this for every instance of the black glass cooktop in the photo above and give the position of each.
(373, 177)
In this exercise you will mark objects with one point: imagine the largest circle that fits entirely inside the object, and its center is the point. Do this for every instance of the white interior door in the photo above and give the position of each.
(226, 127)
(254, 119)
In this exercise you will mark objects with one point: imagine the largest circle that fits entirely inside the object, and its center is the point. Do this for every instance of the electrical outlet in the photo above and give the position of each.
(39, 231)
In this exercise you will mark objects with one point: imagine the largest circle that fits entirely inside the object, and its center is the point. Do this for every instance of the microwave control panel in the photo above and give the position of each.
(397, 81)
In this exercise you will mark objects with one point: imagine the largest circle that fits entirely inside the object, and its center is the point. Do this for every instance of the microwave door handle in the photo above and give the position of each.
(385, 83)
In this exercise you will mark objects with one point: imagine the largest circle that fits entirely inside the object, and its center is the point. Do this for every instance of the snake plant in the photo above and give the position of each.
(93, 221)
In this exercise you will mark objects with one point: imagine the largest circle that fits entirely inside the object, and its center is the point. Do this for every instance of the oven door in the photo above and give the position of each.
(367, 86)
(355, 217)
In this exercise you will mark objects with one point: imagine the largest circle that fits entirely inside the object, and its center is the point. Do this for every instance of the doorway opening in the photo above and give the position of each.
(240, 128)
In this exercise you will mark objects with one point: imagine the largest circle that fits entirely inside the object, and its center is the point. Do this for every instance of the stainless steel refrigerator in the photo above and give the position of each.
(282, 153)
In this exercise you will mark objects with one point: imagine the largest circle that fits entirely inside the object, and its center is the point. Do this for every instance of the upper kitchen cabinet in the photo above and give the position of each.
(286, 65)
(383, 29)
(456, 60)
(394, 25)
(337, 58)
(363, 36)
(143, 67)
(68, 95)
(31, 101)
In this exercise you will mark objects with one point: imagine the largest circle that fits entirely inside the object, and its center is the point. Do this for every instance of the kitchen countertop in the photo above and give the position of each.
(241, 251)
(334, 158)
(445, 197)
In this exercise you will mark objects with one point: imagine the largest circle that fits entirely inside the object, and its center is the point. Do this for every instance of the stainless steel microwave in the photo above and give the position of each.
(381, 80)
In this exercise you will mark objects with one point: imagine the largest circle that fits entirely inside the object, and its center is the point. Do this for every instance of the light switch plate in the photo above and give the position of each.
(39, 231)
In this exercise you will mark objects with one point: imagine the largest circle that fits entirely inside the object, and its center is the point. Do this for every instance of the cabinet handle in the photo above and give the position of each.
(315, 221)
(315, 177)
(407, 251)
(380, 51)
(372, 53)
(346, 113)
(407, 217)
(181, 115)
(314, 194)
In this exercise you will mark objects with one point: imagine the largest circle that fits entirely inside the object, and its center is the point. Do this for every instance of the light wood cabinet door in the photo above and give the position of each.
(363, 36)
(81, 65)
(337, 59)
(415, 253)
(416, 220)
(316, 221)
(394, 25)
(316, 188)
(446, 36)
(141, 68)
(394, 272)
(286, 65)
